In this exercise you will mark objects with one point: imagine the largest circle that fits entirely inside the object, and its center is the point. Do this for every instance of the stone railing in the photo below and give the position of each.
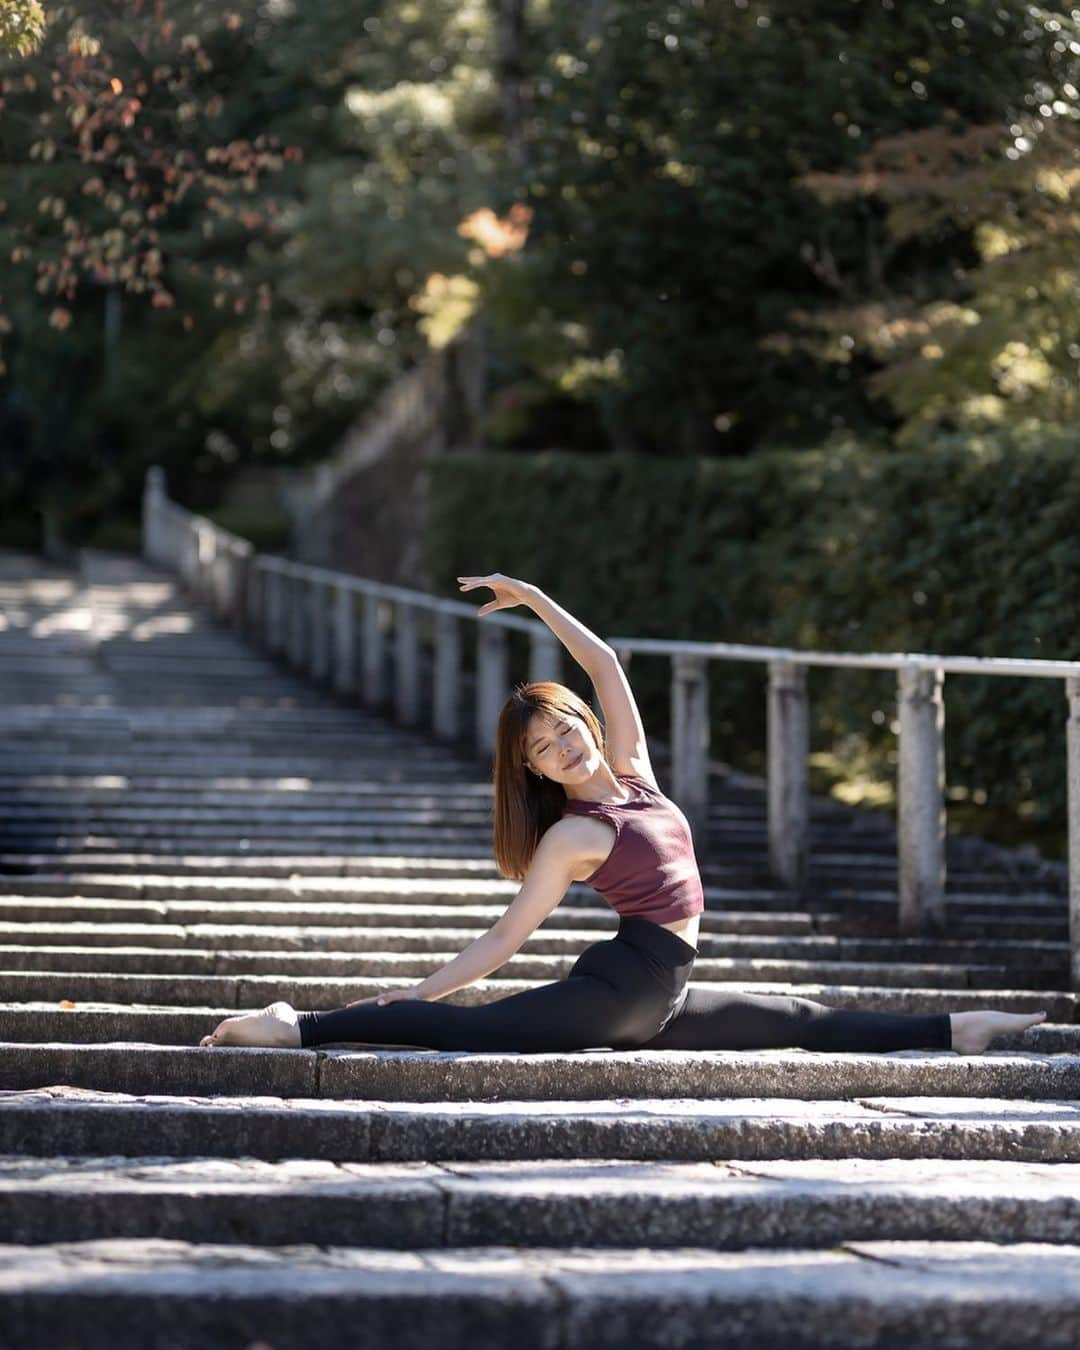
(364, 638)
(361, 637)
(921, 786)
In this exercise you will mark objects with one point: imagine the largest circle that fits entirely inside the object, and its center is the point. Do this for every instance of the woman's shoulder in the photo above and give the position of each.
(572, 838)
(636, 776)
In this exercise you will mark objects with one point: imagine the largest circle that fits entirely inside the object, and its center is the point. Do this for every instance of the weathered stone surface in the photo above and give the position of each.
(864, 1294)
(186, 830)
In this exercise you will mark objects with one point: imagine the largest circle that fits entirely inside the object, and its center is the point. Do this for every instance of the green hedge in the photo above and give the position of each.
(968, 548)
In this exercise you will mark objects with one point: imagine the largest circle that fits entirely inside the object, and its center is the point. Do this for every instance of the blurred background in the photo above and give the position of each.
(739, 321)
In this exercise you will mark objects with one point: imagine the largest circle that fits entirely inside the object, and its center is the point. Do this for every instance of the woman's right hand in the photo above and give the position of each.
(508, 591)
(390, 996)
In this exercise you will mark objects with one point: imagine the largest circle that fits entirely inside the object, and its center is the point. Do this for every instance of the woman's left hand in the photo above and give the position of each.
(391, 996)
(508, 591)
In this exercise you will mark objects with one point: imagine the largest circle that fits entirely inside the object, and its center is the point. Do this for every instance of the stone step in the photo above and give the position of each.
(768, 936)
(308, 974)
(429, 765)
(128, 833)
(771, 924)
(37, 944)
(292, 808)
(1048, 923)
(15, 867)
(401, 968)
(165, 1293)
(148, 787)
(74, 1121)
(115, 1058)
(38, 791)
(387, 889)
(808, 1204)
(374, 963)
(747, 969)
(475, 878)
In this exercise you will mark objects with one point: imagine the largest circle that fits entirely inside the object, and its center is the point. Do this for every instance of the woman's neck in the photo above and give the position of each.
(603, 786)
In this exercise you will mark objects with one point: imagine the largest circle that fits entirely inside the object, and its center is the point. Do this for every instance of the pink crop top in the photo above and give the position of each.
(651, 872)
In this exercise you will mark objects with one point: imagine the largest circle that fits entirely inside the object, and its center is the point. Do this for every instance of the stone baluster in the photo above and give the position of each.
(491, 683)
(344, 639)
(273, 608)
(447, 691)
(318, 653)
(921, 816)
(297, 639)
(154, 523)
(789, 774)
(1072, 694)
(373, 649)
(690, 740)
(545, 655)
(406, 665)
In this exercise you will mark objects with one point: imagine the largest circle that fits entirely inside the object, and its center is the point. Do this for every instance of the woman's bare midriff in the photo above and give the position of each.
(687, 929)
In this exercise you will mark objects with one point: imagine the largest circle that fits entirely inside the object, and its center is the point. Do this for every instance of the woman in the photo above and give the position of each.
(574, 803)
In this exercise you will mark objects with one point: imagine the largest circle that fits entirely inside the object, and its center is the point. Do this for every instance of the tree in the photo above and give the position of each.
(996, 344)
(126, 182)
(677, 257)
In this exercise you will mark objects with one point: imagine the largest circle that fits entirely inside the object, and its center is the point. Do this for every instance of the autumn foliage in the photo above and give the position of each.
(122, 125)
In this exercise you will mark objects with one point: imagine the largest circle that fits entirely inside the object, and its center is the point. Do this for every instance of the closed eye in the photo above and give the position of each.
(541, 748)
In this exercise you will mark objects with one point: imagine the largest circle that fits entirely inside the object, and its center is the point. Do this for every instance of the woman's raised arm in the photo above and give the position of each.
(589, 651)
(624, 733)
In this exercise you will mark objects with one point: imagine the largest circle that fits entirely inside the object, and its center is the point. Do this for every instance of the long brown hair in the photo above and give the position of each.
(527, 806)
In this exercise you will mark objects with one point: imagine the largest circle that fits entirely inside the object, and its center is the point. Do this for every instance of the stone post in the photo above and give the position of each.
(491, 684)
(789, 774)
(154, 544)
(447, 692)
(218, 575)
(275, 607)
(344, 640)
(690, 741)
(922, 801)
(406, 665)
(254, 589)
(318, 653)
(1072, 694)
(239, 581)
(373, 644)
(545, 655)
(297, 617)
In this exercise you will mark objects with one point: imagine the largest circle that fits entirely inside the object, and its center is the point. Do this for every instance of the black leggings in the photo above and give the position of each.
(630, 992)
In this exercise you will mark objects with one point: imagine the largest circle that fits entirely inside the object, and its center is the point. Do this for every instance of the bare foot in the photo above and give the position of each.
(275, 1027)
(972, 1032)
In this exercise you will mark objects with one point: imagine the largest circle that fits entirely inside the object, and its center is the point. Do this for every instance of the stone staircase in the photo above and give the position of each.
(187, 830)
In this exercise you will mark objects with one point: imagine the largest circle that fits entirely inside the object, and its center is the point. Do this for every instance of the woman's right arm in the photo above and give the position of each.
(557, 857)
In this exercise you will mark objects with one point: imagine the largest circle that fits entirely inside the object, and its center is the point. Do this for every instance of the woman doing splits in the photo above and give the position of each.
(577, 803)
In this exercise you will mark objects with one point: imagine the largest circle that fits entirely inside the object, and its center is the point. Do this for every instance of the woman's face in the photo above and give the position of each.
(561, 747)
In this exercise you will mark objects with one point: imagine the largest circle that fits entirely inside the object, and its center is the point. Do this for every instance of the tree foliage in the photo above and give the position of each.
(22, 27)
(999, 345)
(684, 227)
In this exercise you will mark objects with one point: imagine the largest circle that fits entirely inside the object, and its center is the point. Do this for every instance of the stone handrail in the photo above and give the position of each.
(310, 616)
(921, 785)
